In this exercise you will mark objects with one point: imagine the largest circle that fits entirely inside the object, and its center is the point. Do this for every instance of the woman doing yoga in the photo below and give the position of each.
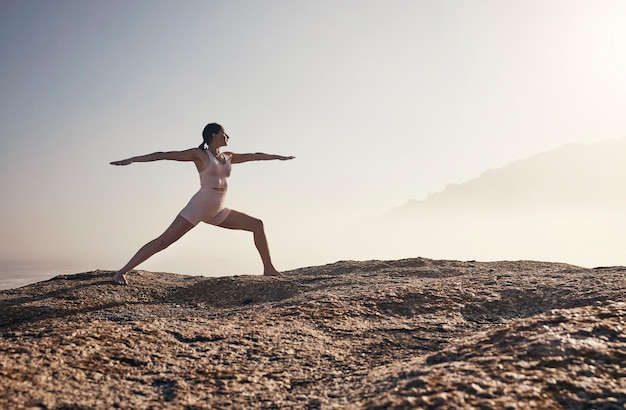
(207, 205)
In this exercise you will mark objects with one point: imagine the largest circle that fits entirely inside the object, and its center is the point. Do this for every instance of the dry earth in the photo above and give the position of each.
(413, 333)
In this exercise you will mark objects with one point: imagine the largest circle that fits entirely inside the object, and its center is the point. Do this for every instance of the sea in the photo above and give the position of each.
(15, 273)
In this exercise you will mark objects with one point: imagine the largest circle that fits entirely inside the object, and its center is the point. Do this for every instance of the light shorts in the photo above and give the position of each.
(207, 205)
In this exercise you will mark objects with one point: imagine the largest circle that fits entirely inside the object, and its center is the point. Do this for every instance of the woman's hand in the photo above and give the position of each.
(283, 158)
(122, 162)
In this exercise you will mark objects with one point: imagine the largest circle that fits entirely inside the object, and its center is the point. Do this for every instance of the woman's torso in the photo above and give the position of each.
(215, 175)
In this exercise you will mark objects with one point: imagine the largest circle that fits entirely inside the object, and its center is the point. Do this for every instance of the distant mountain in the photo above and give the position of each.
(575, 176)
(567, 204)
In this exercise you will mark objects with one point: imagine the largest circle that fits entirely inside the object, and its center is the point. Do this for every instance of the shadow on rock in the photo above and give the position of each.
(237, 291)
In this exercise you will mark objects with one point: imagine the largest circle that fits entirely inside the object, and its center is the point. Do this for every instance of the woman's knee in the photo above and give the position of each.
(256, 225)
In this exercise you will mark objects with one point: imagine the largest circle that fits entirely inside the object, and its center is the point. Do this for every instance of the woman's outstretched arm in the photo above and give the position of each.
(257, 156)
(187, 155)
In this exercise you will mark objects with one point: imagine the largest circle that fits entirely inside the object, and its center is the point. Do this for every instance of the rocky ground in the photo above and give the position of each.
(413, 333)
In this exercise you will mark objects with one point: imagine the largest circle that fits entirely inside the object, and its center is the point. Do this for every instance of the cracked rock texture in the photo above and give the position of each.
(412, 333)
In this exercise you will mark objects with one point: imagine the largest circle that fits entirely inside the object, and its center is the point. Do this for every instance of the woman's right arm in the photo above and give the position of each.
(192, 154)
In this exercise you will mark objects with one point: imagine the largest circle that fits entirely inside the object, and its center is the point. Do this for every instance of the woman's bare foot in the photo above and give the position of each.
(272, 273)
(120, 279)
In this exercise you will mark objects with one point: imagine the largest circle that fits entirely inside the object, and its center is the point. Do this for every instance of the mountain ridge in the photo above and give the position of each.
(572, 176)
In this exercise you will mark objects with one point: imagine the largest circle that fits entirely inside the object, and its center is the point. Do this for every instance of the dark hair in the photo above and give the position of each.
(207, 134)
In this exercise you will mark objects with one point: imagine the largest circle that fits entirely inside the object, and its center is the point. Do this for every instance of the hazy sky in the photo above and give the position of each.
(380, 101)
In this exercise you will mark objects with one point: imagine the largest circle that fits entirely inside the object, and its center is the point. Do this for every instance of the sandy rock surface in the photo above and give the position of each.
(413, 333)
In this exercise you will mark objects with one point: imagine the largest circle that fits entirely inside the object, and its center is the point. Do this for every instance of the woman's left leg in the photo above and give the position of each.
(240, 221)
(174, 232)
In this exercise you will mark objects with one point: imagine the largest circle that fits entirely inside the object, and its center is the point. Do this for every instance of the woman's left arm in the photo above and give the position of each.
(257, 156)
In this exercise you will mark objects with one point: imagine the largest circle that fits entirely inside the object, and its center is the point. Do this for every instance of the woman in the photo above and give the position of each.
(207, 205)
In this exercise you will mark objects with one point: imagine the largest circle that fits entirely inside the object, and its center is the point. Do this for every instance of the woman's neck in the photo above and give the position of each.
(215, 150)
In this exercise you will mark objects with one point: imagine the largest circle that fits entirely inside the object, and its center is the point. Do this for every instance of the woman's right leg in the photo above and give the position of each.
(174, 232)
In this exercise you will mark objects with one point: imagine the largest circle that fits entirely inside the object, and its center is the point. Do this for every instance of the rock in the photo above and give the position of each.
(413, 333)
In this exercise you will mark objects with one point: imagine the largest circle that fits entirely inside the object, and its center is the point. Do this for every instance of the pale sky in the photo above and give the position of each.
(380, 102)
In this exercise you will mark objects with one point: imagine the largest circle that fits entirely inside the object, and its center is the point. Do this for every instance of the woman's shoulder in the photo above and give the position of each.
(189, 151)
(197, 152)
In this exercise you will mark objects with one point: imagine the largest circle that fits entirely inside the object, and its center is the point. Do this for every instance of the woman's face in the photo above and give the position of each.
(221, 138)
